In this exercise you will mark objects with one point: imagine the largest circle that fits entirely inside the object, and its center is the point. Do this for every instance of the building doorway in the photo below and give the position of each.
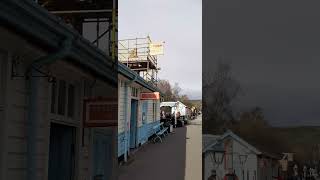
(133, 123)
(61, 152)
(102, 155)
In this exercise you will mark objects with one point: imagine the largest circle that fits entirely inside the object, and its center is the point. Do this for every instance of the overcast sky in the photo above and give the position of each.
(275, 50)
(179, 24)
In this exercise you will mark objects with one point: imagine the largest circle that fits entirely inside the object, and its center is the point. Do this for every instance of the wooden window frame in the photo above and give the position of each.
(55, 116)
(154, 110)
(134, 92)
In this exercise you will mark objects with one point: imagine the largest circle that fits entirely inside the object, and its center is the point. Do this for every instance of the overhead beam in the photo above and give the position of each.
(82, 11)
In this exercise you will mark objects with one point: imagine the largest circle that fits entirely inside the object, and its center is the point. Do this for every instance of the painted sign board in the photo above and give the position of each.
(100, 112)
(156, 49)
(150, 96)
(284, 164)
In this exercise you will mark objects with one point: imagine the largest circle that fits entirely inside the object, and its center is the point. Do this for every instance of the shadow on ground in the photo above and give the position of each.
(166, 160)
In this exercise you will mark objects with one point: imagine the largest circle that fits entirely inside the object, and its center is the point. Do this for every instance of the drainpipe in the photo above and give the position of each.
(127, 116)
(113, 32)
(33, 116)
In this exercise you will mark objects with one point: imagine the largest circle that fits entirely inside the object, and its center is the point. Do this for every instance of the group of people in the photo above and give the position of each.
(306, 174)
(170, 118)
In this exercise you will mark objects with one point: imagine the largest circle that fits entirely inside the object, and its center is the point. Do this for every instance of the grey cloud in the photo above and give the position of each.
(176, 22)
(274, 47)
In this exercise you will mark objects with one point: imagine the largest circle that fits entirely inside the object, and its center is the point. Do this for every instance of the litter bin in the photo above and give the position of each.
(170, 128)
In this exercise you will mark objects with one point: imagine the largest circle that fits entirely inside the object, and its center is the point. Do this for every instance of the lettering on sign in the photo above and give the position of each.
(156, 49)
(150, 96)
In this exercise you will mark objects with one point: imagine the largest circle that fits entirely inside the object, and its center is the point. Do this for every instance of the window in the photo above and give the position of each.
(71, 99)
(63, 99)
(53, 97)
(144, 112)
(154, 110)
(2, 78)
(134, 92)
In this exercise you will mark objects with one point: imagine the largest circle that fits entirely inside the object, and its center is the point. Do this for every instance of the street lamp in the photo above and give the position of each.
(216, 153)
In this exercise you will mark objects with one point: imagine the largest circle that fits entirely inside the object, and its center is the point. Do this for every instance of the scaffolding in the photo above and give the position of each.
(78, 13)
(136, 54)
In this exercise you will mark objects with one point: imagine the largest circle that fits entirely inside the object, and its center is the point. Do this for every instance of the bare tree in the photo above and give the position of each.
(220, 90)
(173, 93)
(176, 90)
(185, 100)
(166, 89)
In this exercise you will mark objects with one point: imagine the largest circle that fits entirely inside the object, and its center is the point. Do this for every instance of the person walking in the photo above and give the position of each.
(173, 119)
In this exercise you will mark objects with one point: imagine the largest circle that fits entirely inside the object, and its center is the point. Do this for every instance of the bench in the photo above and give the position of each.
(159, 131)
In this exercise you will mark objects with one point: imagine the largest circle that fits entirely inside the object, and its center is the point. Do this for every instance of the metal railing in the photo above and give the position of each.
(134, 50)
(137, 50)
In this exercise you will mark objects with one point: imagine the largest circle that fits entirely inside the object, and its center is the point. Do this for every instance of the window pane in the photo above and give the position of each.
(71, 99)
(154, 111)
(62, 97)
(53, 97)
(2, 79)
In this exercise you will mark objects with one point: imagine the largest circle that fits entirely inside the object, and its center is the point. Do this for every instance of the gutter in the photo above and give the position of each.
(134, 79)
(128, 73)
(46, 31)
(33, 115)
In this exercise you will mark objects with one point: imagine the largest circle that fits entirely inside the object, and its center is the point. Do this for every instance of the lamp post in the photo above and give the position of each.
(216, 154)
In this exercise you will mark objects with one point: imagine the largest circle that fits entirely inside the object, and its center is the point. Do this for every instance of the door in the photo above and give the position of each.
(144, 121)
(102, 156)
(61, 152)
(133, 123)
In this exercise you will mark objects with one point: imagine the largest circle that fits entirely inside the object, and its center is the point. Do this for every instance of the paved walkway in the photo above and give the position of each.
(194, 150)
(178, 157)
(159, 161)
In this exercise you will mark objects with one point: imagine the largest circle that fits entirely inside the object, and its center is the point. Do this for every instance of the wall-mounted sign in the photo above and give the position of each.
(150, 96)
(284, 164)
(156, 49)
(100, 112)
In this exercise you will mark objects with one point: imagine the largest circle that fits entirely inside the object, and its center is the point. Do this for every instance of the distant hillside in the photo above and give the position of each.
(300, 140)
(300, 134)
(197, 103)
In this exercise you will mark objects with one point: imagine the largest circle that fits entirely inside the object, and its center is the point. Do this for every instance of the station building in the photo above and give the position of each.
(138, 112)
(58, 99)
